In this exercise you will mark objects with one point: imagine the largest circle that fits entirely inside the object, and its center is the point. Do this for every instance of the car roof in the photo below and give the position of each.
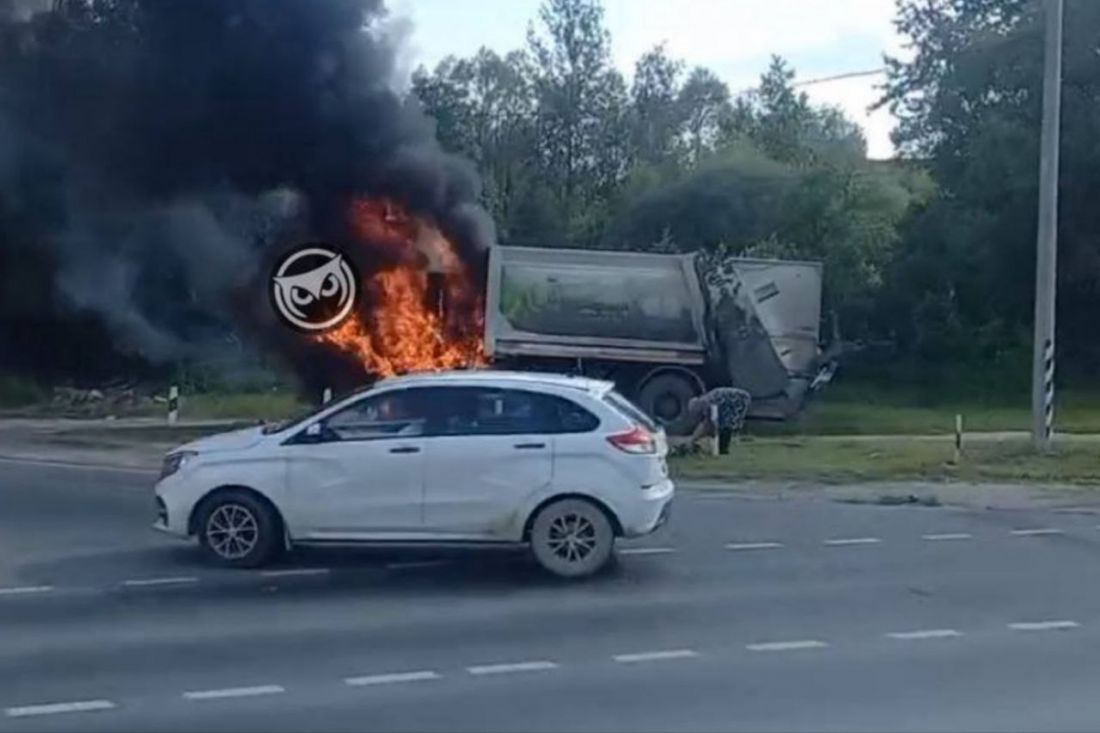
(498, 377)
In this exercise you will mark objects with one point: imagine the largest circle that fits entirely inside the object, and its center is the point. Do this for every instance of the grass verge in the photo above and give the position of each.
(257, 406)
(865, 410)
(884, 459)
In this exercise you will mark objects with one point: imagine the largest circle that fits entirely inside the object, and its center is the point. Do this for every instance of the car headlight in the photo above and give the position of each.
(175, 461)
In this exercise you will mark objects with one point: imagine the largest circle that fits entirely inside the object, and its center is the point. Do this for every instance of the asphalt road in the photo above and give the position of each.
(754, 614)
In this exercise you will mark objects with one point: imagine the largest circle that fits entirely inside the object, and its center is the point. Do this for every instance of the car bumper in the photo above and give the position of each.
(647, 515)
(171, 516)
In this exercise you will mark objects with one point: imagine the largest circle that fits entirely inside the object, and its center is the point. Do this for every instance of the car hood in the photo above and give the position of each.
(232, 440)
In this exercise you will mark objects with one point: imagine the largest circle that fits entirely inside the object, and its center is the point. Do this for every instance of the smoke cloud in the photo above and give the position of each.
(156, 154)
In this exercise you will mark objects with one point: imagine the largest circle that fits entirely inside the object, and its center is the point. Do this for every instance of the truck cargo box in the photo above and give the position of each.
(593, 304)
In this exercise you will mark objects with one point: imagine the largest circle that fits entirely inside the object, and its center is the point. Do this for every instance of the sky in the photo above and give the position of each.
(733, 38)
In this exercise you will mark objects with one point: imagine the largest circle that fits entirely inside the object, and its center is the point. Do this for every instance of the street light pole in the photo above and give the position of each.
(1042, 373)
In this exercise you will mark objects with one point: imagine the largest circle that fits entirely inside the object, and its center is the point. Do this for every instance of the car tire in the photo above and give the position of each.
(238, 530)
(572, 538)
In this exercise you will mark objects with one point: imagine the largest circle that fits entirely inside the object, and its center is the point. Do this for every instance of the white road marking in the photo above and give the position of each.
(416, 564)
(647, 550)
(843, 541)
(392, 678)
(1037, 532)
(656, 656)
(924, 634)
(947, 536)
(25, 589)
(294, 572)
(753, 545)
(786, 646)
(1043, 625)
(234, 692)
(536, 666)
(178, 580)
(85, 706)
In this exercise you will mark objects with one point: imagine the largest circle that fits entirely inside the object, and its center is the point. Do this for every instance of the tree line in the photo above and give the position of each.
(930, 254)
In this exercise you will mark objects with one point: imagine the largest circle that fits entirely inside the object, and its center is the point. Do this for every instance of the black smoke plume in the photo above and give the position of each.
(154, 154)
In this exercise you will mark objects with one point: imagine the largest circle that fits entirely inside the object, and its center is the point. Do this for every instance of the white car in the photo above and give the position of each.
(563, 464)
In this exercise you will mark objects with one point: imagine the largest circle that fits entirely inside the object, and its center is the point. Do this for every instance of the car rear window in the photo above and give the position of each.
(630, 410)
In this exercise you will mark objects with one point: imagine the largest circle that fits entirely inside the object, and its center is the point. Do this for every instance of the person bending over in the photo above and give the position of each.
(733, 405)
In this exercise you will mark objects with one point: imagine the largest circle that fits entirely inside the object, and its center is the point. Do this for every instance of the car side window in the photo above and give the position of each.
(396, 414)
(571, 417)
(489, 411)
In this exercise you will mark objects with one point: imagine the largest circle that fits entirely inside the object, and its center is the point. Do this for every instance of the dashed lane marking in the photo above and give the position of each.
(25, 590)
(753, 545)
(647, 550)
(1037, 532)
(391, 678)
(533, 666)
(142, 582)
(786, 646)
(294, 572)
(656, 656)
(1043, 625)
(845, 541)
(228, 692)
(924, 634)
(84, 706)
(947, 536)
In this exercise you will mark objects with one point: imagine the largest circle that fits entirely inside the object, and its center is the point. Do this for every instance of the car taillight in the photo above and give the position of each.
(636, 440)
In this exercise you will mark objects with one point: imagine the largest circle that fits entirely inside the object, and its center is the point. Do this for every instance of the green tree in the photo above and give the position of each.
(656, 114)
(704, 102)
(484, 109)
(969, 104)
(784, 124)
(581, 113)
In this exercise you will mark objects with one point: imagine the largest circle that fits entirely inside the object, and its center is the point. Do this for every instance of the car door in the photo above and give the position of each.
(361, 476)
(488, 452)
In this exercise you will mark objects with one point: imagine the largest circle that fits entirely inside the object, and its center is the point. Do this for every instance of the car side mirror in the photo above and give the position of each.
(313, 431)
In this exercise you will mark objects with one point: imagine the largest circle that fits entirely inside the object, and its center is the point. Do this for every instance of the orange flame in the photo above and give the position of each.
(398, 329)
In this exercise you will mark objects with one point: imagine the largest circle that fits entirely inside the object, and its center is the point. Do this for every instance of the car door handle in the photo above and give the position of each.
(529, 446)
(405, 449)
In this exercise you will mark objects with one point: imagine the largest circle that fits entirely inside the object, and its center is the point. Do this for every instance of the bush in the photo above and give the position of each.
(17, 391)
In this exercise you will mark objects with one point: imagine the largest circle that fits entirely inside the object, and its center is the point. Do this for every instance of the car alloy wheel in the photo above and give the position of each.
(232, 531)
(572, 538)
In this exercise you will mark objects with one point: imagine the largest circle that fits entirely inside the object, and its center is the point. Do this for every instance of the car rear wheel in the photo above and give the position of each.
(572, 538)
(238, 530)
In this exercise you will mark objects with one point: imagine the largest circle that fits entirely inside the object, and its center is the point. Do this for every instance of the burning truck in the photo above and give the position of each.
(664, 327)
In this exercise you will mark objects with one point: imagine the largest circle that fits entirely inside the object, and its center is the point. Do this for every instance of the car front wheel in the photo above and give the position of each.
(572, 538)
(238, 530)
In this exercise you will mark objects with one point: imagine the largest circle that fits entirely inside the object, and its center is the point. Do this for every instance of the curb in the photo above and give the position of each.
(87, 465)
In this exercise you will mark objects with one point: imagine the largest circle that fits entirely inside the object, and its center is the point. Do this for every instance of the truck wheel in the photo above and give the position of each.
(665, 397)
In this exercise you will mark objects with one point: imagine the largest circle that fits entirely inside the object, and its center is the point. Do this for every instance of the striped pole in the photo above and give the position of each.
(958, 438)
(173, 404)
(1048, 389)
